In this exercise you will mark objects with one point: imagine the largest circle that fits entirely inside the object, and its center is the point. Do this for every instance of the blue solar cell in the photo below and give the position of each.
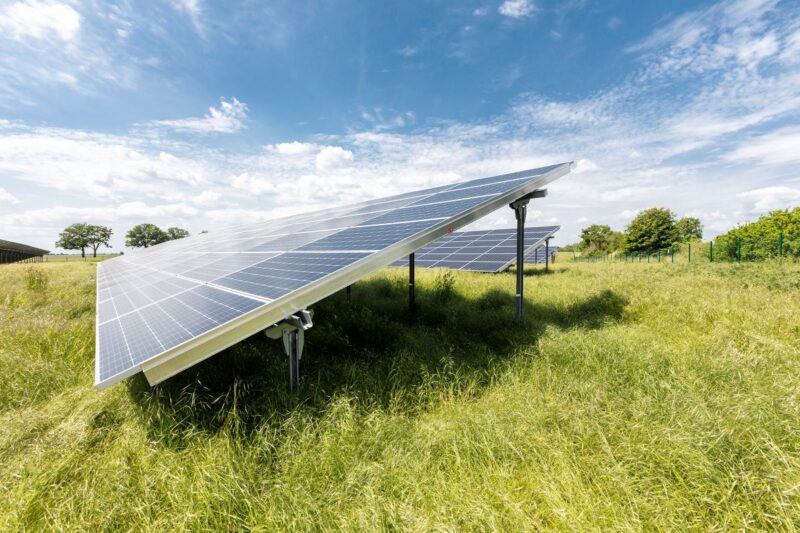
(369, 238)
(141, 341)
(280, 275)
(190, 319)
(116, 356)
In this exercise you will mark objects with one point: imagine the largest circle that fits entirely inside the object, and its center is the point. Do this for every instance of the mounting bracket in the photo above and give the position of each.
(292, 331)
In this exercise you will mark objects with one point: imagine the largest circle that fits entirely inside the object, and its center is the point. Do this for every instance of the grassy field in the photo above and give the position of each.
(633, 397)
(75, 258)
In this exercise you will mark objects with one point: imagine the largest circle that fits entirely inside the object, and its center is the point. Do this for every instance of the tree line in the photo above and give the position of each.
(80, 236)
(652, 229)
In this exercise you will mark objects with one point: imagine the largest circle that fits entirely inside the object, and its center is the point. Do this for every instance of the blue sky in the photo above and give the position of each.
(203, 115)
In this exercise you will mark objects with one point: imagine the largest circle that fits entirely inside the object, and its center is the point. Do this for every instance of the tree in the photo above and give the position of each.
(651, 229)
(98, 236)
(599, 239)
(687, 229)
(176, 233)
(145, 235)
(74, 237)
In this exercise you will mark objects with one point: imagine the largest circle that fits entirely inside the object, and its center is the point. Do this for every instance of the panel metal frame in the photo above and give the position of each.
(170, 362)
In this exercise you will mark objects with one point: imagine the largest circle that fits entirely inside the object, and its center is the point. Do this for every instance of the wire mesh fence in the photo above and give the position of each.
(723, 249)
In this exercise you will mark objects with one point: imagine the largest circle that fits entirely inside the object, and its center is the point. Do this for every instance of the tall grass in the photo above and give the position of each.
(632, 397)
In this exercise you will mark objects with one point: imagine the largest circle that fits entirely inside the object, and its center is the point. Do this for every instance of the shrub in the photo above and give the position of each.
(759, 239)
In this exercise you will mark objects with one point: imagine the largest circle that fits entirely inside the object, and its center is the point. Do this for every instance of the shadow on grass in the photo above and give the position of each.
(371, 349)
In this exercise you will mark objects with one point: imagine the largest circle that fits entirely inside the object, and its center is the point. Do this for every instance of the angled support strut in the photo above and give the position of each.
(292, 331)
(520, 208)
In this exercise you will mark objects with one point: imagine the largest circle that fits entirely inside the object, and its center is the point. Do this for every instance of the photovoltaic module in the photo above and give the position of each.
(165, 308)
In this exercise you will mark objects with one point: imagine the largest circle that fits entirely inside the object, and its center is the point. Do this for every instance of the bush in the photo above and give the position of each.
(760, 239)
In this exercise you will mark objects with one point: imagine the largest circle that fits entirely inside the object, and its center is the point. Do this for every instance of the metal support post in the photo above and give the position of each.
(547, 255)
(292, 331)
(348, 292)
(412, 295)
(520, 210)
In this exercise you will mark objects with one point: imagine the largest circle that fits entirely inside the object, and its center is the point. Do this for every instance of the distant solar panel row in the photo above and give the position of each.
(480, 251)
(167, 307)
(538, 255)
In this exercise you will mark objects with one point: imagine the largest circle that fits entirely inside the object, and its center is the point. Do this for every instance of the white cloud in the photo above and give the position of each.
(408, 51)
(292, 148)
(631, 193)
(781, 146)
(385, 119)
(39, 19)
(194, 11)
(614, 23)
(7, 197)
(333, 157)
(766, 199)
(517, 8)
(628, 214)
(207, 198)
(228, 117)
(253, 184)
(60, 216)
(95, 165)
(791, 48)
(584, 165)
(480, 12)
(47, 44)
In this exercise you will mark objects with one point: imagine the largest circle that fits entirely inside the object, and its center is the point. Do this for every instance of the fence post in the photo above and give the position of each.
(710, 251)
(690, 252)
(780, 245)
(738, 250)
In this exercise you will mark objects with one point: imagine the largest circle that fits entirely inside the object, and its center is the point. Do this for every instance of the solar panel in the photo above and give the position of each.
(537, 257)
(480, 251)
(165, 308)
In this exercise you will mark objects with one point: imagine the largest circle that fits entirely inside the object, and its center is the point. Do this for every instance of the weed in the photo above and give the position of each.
(36, 279)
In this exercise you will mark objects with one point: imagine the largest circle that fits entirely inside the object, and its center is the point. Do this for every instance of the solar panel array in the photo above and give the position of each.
(538, 255)
(479, 251)
(165, 308)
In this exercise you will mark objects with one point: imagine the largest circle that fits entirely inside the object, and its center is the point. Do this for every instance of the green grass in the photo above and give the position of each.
(633, 397)
(76, 258)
